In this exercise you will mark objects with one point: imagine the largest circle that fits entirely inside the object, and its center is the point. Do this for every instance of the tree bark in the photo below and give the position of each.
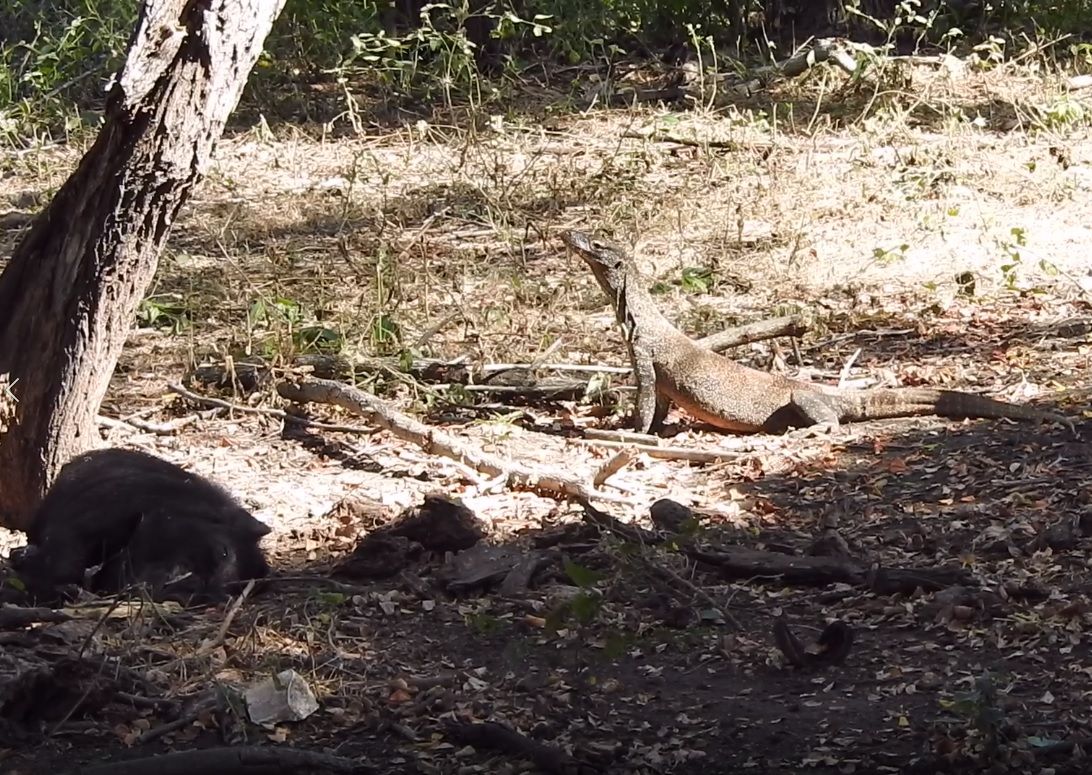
(68, 296)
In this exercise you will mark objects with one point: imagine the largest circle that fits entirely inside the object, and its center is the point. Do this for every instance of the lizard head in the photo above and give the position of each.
(594, 251)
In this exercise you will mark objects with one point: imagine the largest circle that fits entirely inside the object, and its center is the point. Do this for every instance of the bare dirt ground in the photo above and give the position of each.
(859, 209)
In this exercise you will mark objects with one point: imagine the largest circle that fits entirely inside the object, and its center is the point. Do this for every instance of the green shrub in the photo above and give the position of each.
(55, 57)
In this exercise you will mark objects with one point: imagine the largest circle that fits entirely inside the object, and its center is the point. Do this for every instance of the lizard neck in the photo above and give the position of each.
(641, 319)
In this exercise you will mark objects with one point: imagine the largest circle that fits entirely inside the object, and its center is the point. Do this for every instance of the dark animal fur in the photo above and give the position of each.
(144, 520)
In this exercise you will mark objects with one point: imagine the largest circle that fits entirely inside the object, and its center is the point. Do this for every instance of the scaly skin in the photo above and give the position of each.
(670, 367)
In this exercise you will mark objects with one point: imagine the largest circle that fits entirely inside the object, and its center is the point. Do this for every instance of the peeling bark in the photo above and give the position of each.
(68, 295)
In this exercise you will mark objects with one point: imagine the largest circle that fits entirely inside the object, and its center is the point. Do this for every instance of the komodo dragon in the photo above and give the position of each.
(669, 366)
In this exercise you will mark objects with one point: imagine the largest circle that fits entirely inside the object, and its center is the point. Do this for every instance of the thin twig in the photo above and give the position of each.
(219, 403)
(221, 634)
(590, 368)
(664, 453)
(159, 429)
(617, 462)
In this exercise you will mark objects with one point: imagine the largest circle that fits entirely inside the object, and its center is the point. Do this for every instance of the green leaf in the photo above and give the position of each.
(319, 339)
(585, 578)
(332, 599)
(697, 279)
(585, 607)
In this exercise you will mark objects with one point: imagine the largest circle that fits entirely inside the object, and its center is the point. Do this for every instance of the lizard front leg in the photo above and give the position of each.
(649, 409)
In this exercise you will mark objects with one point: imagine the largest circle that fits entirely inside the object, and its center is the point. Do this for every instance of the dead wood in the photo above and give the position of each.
(633, 533)
(733, 87)
(663, 452)
(246, 376)
(137, 424)
(741, 563)
(616, 463)
(492, 736)
(512, 380)
(238, 760)
(13, 616)
(1077, 82)
(209, 701)
(720, 89)
(696, 142)
(540, 390)
(435, 441)
(219, 403)
(789, 325)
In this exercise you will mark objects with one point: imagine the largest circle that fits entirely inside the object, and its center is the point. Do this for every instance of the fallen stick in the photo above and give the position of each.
(658, 136)
(617, 462)
(490, 735)
(135, 423)
(206, 647)
(664, 453)
(738, 562)
(789, 325)
(435, 441)
(219, 403)
(241, 760)
(13, 616)
(584, 368)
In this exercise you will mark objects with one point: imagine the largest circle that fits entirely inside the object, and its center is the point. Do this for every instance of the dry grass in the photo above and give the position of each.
(444, 235)
(857, 203)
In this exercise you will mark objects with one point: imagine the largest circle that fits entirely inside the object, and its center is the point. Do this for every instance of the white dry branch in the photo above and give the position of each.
(437, 442)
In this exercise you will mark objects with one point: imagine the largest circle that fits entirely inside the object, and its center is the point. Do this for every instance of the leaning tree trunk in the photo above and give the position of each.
(68, 296)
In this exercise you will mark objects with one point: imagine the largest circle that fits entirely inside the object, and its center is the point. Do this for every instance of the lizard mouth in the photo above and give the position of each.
(576, 239)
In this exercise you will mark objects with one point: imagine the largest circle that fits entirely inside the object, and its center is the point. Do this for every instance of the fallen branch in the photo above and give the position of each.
(580, 368)
(208, 702)
(659, 136)
(135, 423)
(551, 389)
(1077, 82)
(632, 533)
(13, 616)
(673, 578)
(616, 463)
(244, 760)
(492, 736)
(664, 453)
(742, 563)
(788, 325)
(174, 387)
(435, 441)
(207, 647)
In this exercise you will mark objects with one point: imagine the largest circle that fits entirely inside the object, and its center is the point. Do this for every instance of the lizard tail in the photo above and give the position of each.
(914, 402)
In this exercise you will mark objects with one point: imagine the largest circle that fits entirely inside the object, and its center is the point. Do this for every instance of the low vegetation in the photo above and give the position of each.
(391, 195)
